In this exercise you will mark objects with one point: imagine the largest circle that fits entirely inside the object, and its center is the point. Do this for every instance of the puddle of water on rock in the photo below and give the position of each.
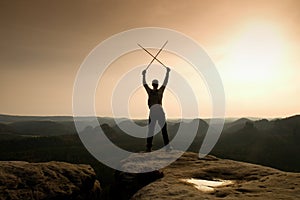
(207, 185)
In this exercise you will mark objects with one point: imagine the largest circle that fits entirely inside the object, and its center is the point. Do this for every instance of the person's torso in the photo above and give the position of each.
(155, 97)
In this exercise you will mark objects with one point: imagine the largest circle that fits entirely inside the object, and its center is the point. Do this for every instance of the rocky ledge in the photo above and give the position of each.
(50, 180)
(212, 178)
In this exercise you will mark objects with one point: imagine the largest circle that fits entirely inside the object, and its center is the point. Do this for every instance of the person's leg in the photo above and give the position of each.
(168, 147)
(163, 124)
(165, 134)
(150, 135)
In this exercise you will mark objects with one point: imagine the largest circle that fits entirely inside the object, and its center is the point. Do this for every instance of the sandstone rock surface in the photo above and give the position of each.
(50, 180)
(247, 181)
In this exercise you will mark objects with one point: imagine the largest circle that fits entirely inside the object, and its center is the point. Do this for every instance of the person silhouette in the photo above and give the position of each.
(157, 114)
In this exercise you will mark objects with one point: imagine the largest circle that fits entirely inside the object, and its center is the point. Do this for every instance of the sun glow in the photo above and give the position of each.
(256, 54)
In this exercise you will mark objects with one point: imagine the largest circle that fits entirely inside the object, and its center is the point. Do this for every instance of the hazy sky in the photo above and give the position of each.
(254, 44)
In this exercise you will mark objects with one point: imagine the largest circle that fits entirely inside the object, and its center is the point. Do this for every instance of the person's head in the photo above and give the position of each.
(155, 83)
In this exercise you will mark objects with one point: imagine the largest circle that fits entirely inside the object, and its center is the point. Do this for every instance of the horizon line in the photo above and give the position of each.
(171, 118)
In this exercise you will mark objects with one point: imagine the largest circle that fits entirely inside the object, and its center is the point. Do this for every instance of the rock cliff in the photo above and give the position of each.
(51, 180)
(211, 178)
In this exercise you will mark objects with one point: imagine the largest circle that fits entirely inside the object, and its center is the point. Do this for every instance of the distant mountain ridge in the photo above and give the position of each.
(272, 143)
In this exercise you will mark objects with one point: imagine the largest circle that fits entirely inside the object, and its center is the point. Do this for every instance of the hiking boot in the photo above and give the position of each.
(168, 148)
(148, 149)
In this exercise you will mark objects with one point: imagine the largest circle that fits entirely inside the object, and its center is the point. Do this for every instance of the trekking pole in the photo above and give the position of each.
(154, 57)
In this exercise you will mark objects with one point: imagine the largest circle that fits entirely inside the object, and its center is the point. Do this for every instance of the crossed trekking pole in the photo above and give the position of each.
(155, 57)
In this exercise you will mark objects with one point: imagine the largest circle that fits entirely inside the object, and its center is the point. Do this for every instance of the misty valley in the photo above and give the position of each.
(274, 143)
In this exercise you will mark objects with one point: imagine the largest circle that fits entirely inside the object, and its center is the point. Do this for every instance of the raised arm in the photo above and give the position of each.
(144, 81)
(166, 77)
(144, 77)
